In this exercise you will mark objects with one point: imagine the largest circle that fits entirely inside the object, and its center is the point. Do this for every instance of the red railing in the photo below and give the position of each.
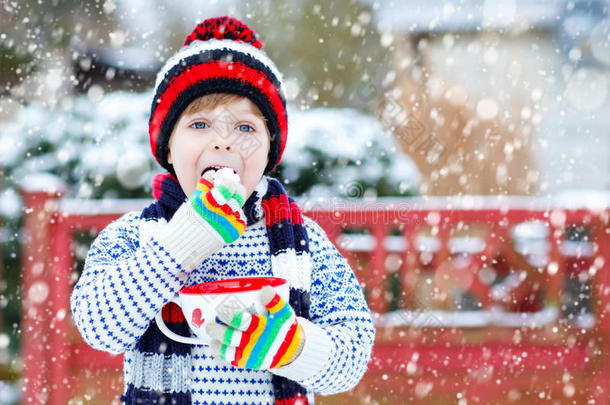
(467, 304)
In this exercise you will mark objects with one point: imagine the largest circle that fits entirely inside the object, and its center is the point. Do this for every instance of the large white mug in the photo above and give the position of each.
(200, 303)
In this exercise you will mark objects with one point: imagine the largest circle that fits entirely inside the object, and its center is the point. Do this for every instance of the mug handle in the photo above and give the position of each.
(163, 328)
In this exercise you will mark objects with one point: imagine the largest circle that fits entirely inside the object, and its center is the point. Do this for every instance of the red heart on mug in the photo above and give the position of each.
(197, 318)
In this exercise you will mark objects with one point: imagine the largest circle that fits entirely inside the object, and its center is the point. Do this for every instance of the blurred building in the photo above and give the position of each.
(502, 96)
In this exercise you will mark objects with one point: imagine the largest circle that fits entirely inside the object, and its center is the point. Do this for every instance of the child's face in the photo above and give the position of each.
(233, 135)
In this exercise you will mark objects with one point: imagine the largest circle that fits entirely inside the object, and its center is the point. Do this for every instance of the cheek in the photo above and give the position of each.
(185, 153)
(184, 159)
(254, 168)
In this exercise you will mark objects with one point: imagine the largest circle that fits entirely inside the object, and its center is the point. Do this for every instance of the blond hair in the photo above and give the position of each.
(213, 100)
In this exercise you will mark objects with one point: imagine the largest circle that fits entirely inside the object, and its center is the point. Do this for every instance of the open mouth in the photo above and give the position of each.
(216, 167)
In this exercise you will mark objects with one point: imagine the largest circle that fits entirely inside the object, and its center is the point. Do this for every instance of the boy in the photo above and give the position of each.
(218, 125)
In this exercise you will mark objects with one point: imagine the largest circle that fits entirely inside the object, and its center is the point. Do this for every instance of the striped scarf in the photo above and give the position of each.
(289, 247)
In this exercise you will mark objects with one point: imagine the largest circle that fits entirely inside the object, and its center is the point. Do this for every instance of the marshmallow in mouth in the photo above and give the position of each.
(214, 173)
(214, 168)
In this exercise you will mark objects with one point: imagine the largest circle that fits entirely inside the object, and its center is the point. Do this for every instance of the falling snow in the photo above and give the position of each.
(479, 128)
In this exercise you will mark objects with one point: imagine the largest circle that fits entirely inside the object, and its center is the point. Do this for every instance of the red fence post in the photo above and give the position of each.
(408, 275)
(40, 194)
(60, 310)
(378, 282)
(555, 270)
(602, 264)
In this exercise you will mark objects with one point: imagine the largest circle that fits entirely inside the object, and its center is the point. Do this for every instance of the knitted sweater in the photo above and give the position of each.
(125, 282)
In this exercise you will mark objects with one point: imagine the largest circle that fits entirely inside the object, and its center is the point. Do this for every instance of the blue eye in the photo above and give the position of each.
(199, 125)
(245, 128)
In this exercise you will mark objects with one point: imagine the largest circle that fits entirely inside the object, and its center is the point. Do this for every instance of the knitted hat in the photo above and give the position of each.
(221, 55)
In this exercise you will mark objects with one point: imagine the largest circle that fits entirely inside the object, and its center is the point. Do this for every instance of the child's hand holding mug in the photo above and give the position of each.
(258, 341)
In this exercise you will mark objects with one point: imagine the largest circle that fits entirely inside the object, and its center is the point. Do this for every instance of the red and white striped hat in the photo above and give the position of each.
(221, 55)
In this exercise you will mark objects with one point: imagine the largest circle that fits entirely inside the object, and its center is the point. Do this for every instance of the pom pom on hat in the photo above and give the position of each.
(223, 28)
(221, 55)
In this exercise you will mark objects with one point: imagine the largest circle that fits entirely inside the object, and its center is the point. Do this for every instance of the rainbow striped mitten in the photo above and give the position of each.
(218, 198)
(258, 342)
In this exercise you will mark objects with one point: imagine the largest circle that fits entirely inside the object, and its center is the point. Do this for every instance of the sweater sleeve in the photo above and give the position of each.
(132, 269)
(340, 336)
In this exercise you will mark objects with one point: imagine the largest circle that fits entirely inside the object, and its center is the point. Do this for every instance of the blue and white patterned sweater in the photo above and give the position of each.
(125, 283)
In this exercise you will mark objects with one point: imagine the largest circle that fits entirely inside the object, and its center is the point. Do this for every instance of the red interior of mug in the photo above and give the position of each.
(233, 285)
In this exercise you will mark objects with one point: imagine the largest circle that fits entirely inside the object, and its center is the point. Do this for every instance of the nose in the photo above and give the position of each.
(222, 140)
